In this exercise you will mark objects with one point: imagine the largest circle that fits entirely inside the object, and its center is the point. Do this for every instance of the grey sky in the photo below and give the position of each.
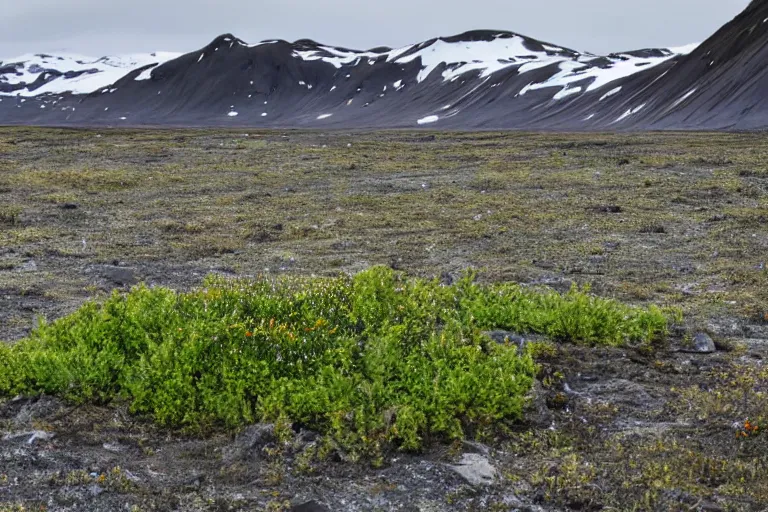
(99, 27)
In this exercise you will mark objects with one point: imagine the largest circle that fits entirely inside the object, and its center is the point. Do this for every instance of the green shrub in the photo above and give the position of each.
(375, 360)
(576, 316)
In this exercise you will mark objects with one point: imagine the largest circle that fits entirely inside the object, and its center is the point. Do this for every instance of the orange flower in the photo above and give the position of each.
(248, 334)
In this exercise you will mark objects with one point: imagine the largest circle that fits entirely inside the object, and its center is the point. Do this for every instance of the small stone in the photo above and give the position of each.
(475, 469)
(703, 344)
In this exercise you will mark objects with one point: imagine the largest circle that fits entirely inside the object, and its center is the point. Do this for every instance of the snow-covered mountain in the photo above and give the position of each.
(31, 75)
(479, 79)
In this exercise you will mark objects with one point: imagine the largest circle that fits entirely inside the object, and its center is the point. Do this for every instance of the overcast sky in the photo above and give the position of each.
(100, 27)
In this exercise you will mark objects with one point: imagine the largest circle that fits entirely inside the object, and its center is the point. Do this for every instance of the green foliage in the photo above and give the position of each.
(576, 316)
(375, 360)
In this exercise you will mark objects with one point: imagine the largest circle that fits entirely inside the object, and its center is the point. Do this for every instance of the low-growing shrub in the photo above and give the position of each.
(374, 360)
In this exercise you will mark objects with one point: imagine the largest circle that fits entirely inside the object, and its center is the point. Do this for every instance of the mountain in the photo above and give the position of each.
(32, 75)
(475, 80)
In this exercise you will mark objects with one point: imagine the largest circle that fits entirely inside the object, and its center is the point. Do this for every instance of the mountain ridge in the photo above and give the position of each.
(479, 79)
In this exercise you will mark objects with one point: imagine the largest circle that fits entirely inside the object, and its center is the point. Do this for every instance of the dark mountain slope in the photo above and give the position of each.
(723, 84)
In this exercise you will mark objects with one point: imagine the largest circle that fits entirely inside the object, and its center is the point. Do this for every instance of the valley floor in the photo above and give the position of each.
(678, 220)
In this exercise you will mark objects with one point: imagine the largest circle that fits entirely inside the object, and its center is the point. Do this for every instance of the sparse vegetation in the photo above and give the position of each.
(630, 229)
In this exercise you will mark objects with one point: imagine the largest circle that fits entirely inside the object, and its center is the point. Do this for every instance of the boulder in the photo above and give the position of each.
(703, 344)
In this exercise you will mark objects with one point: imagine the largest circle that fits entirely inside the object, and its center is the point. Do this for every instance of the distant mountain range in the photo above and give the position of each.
(476, 80)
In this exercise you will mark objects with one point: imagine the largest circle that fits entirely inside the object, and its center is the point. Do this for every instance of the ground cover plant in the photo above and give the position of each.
(373, 359)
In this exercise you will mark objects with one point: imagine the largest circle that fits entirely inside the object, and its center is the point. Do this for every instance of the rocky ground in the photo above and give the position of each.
(669, 219)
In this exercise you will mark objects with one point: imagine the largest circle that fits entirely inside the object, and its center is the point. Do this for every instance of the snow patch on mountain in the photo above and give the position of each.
(683, 98)
(69, 73)
(505, 51)
(610, 93)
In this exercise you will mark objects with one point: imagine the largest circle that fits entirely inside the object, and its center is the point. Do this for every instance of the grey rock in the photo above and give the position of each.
(703, 344)
(475, 469)
(250, 440)
(120, 275)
